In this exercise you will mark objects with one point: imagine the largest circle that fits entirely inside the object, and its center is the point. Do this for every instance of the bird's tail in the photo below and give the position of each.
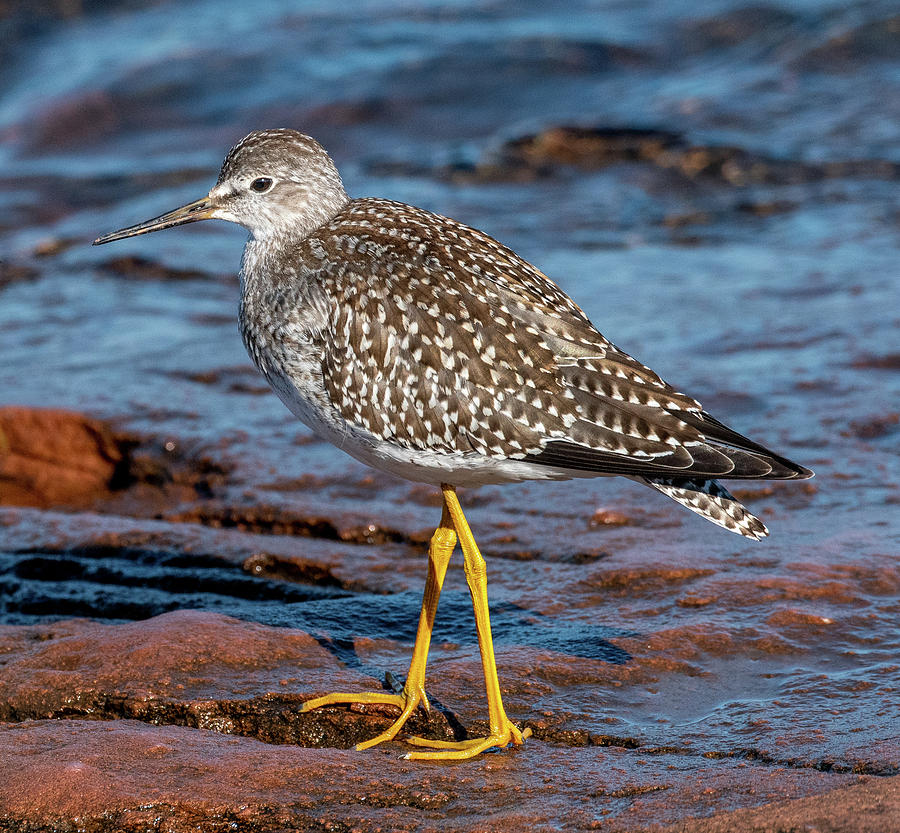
(712, 501)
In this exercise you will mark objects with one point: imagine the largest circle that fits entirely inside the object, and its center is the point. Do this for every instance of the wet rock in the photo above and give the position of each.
(291, 569)
(876, 40)
(888, 361)
(593, 148)
(609, 517)
(579, 146)
(274, 520)
(629, 580)
(192, 669)
(99, 579)
(75, 121)
(737, 26)
(15, 273)
(875, 427)
(692, 218)
(90, 117)
(127, 776)
(344, 114)
(52, 458)
(766, 209)
(792, 617)
(163, 472)
(238, 379)
(53, 246)
(695, 600)
(207, 672)
(134, 267)
(56, 459)
(869, 807)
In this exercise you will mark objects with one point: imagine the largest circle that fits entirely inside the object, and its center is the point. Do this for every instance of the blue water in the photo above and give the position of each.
(783, 323)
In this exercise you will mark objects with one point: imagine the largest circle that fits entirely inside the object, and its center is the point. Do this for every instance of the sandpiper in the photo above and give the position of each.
(424, 347)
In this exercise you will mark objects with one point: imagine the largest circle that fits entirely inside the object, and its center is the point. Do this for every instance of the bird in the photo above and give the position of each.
(425, 348)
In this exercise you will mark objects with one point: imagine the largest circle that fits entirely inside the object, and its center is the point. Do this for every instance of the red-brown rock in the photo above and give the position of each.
(55, 458)
(126, 776)
(83, 745)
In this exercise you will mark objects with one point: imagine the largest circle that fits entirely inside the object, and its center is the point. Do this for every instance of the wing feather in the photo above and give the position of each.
(458, 345)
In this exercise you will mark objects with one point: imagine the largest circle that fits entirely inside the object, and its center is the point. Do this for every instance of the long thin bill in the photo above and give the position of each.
(192, 212)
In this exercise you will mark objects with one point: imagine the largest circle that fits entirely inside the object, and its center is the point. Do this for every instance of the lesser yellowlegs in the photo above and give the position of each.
(423, 347)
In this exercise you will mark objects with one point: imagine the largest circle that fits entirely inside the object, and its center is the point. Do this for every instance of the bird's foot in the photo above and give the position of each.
(407, 702)
(461, 750)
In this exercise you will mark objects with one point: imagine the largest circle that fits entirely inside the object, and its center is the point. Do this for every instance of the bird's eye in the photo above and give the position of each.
(261, 185)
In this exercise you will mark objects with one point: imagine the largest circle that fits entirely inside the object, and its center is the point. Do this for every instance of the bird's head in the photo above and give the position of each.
(273, 182)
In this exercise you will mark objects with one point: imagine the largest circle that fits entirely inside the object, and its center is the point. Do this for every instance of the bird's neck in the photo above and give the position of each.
(271, 241)
(256, 261)
(287, 229)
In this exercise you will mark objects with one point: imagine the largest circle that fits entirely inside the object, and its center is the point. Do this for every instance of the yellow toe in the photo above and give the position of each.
(407, 703)
(465, 749)
(361, 698)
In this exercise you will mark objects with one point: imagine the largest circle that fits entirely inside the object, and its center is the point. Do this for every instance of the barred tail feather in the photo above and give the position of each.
(713, 502)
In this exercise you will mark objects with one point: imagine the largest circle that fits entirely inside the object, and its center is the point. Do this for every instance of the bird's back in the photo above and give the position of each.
(426, 348)
(433, 337)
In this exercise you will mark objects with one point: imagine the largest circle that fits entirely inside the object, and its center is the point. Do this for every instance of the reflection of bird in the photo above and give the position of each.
(424, 347)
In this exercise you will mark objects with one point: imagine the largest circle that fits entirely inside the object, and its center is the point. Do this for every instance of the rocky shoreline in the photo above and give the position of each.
(193, 718)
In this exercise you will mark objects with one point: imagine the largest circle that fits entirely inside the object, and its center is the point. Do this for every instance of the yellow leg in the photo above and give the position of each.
(442, 544)
(502, 730)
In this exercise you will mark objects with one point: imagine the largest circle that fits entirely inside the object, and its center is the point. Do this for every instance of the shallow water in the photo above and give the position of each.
(774, 302)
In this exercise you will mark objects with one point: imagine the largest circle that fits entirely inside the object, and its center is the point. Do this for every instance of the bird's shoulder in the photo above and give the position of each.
(437, 267)
(429, 310)
(392, 248)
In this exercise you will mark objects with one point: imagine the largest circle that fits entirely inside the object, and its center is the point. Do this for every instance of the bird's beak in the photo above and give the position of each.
(201, 209)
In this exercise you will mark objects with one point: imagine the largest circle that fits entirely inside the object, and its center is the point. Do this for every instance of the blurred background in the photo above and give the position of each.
(715, 183)
(730, 191)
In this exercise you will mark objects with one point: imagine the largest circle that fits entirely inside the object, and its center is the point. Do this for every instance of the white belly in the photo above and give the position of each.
(423, 466)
